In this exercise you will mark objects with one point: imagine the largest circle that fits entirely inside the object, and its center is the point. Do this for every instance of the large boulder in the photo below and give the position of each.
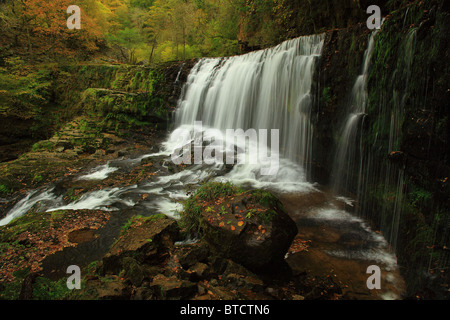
(144, 240)
(252, 228)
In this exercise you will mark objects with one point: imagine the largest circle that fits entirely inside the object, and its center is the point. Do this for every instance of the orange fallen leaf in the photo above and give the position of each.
(240, 223)
(232, 228)
(222, 224)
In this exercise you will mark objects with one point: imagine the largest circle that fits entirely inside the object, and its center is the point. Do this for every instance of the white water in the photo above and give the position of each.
(377, 252)
(349, 150)
(99, 173)
(98, 199)
(24, 205)
(267, 89)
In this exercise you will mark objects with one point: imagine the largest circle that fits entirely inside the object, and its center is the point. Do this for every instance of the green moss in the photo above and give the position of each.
(265, 198)
(326, 95)
(139, 219)
(31, 222)
(43, 145)
(46, 289)
(213, 190)
(209, 191)
(11, 290)
(190, 214)
(5, 190)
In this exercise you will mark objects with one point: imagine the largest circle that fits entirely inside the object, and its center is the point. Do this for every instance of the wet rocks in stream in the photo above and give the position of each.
(243, 237)
(150, 259)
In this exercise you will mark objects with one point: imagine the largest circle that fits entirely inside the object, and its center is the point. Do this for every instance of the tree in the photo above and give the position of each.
(40, 27)
(128, 38)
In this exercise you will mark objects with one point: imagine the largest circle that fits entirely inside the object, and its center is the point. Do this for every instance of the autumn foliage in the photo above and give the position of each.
(39, 27)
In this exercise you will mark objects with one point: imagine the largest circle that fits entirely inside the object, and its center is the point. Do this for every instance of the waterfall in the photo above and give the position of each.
(265, 89)
(348, 161)
(394, 174)
(357, 168)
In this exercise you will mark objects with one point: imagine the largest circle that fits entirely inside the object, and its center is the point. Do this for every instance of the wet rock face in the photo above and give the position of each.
(251, 228)
(149, 237)
(149, 262)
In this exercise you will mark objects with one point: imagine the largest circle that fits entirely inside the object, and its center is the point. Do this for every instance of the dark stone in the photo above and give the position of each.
(133, 271)
(171, 288)
(199, 271)
(26, 292)
(113, 290)
(193, 254)
(253, 234)
(142, 294)
(144, 243)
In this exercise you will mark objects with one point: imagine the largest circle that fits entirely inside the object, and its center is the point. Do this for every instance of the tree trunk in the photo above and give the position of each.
(151, 52)
(30, 45)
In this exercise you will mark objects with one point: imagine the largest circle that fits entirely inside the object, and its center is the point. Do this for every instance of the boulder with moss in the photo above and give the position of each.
(250, 227)
(144, 239)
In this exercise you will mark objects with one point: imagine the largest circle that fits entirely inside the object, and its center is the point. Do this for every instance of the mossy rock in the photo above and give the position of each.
(250, 227)
(143, 239)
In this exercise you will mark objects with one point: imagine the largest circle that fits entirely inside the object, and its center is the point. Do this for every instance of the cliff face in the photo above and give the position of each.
(37, 100)
(267, 23)
(401, 179)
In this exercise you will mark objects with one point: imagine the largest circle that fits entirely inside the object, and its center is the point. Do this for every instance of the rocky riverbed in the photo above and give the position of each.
(226, 242)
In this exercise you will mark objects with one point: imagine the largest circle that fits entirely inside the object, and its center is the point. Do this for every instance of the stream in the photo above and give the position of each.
(266, 89)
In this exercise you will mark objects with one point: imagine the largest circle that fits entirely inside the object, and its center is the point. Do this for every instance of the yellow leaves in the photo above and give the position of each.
(240, 223)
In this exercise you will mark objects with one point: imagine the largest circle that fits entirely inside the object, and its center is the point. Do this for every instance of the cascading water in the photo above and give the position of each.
(274, 89)
(387, 174)
(355, 169)
(266, 89)
(348, 161)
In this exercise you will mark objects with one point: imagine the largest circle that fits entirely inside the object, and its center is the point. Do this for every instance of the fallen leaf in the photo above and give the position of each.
(240, 223)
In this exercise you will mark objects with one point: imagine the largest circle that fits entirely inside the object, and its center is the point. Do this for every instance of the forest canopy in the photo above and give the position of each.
(156, 31)
(152, 30)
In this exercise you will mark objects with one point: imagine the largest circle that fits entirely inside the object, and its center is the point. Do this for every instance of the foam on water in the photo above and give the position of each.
(24, 205)
(99, 173)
